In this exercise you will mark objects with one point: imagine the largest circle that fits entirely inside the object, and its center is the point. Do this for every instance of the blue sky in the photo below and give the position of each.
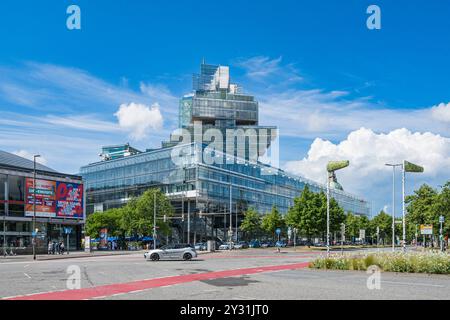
(318, 72)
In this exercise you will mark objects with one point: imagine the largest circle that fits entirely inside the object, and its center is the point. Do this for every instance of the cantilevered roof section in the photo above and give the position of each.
(11, 160)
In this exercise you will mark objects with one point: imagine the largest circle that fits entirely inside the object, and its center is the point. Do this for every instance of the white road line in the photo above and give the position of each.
(413, 284)
(27, 275)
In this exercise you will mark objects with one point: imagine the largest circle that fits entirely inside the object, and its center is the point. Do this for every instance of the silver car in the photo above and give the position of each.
(172, 252)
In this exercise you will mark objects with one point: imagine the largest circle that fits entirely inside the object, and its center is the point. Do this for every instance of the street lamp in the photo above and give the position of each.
(407, 167)
(393, 201)
(34, 233)
(230, 232)
(154, 221)
(331, 168)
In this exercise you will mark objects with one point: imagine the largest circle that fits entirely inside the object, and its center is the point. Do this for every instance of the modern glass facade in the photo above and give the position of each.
(207, 191)
(204, 189)
(15, 225)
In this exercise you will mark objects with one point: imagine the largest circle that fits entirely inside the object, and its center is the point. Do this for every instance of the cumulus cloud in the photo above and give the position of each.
(368, 152)
(30, 156)
(262, 68)
(441, 112)
(139, 119)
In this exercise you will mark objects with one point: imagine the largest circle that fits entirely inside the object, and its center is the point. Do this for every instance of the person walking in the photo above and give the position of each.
(61, 247)
(50, 247)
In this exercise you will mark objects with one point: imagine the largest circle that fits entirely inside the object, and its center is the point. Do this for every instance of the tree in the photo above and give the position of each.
(110, 219)
(355, 223)
(443, 206)
(272, 221)
(135, 218)
(384, 222)
(138, 214)
(251, 223)
(304, 214)
(423, 208)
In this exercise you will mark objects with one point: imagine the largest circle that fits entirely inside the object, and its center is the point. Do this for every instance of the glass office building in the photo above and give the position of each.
(59, 205)
(205, 193)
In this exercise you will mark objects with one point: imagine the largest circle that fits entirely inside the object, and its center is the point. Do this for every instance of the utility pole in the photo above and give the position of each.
(4, 218)
(34, 233)
(332, 167)
(328, 214)
(403, 208)
(231, 215)
(154, 221)
(393, 201)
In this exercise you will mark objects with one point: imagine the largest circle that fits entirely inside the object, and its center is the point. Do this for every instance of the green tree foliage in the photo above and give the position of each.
(251, 223)
(135, 218)
(110, 219)
(422, 208)
(443, 206)
(384, 222)
(138, 214)
(303, 214)
(309, 214)
(272, 221)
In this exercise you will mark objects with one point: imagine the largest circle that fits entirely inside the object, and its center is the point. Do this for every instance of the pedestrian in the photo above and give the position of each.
(50, 247)
(53, 247)
(57, 248)
(61, 247)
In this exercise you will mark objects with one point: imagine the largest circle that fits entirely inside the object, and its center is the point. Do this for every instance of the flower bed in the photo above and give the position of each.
(437, 263)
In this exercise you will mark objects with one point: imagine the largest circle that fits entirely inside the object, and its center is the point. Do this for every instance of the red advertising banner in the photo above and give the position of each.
(69, 200)
(45, 198)
(54, 199)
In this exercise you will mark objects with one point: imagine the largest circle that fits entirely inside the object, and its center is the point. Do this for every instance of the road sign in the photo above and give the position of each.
(67, 230)
(278, 231)
(426, 229)
(441, 219)
(362, 234)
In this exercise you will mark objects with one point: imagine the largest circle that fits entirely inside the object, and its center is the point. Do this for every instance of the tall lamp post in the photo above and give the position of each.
(332, 167)
(34, 233)
(407, 167)
(393, 201)
(230, 232)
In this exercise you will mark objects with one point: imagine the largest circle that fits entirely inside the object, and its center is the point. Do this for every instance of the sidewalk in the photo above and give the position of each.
(71, 255)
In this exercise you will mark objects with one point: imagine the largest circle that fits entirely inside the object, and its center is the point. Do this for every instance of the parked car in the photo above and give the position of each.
(267, 244)
(320, 244)
(201, 246)
(280, 244)
(226, 246)
(172, 252)
(255, 244)
(241, 245)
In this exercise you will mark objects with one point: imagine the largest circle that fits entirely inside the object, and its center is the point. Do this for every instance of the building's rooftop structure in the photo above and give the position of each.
(14, 161)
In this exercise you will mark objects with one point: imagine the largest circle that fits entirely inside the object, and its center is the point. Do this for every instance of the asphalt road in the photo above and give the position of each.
(237, 275)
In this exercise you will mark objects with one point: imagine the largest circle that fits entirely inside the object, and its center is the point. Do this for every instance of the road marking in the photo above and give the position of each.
(140, 285)
(27, 275)
(413, 284)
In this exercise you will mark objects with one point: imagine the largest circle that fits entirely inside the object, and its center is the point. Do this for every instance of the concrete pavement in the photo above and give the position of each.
(244, 274)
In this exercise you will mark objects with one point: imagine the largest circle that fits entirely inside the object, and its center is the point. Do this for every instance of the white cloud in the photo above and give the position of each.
(312, 113)
(262, 68)
(30, 156)
(368, 152)
(441, 112)
(139, 119)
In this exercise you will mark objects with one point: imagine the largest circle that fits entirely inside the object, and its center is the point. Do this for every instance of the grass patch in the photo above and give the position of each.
(426, 262)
